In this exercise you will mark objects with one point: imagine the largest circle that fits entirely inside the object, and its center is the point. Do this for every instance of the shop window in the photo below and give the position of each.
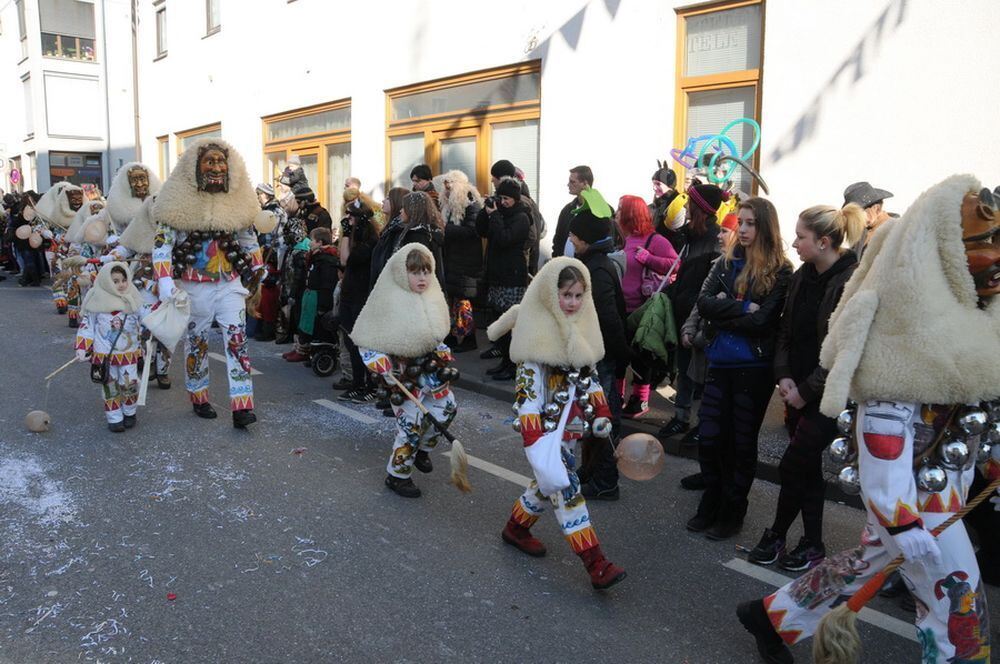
(76, 167)
(185, 138)
(67, 29)
(163, 156)
(466, 123)
(161, 32)
(719, 70)
(321, 138)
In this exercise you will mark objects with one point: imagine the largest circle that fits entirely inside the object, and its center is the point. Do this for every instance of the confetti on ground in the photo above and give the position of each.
(171, 597)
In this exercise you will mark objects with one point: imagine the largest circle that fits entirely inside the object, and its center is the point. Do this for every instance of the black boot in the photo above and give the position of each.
(728, 523)
(693, 482)
(497, 369)
(468, 343)
(116, 427)
(754, 619)
(163, 381)
(204, 410)
(129, 421)
(405, 488)
(422, 461)
(243, 418)
(508, 370)
(706, 515)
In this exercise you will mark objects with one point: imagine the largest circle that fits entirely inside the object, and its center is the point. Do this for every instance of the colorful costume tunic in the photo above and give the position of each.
(216, 293)
(414, 432)
(536, 390)
(95, 335)
(890, 435)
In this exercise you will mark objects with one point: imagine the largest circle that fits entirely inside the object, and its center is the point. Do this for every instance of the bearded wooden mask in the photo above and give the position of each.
(981, 235)
(138, 182)
(212, 172)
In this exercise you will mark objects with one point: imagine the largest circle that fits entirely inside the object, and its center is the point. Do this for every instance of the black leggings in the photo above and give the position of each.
(801, 471)
(348, 315)
(732, 409)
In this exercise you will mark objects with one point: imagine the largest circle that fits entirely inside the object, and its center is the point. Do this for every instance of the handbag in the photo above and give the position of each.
(653, 282)
(99, 372)
(545, 455)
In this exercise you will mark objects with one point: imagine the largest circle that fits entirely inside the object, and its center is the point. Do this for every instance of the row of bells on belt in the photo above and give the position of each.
(953, 453)
(186, 253)
(429, 365)
(560, 398)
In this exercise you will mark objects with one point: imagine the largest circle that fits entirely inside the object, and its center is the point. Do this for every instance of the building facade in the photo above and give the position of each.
(885, 91)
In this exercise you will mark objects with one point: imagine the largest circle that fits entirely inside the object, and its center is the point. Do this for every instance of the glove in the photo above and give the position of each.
(166, 286)
(918, 545)
(642, 255)
(81, 355)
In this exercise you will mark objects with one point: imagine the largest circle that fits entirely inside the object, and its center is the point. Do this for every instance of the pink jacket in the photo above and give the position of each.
(662, 257)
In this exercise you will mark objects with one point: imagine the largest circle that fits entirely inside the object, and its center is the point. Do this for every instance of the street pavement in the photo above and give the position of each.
(185, 540)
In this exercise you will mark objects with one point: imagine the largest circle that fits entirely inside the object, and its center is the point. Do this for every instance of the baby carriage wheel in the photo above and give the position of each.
(324, 362)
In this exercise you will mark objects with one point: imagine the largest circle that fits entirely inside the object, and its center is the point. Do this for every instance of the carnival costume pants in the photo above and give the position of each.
(569, 506)
(952, 616)
(414, 432)
(225, 302)
(120, 392)
(75, 290)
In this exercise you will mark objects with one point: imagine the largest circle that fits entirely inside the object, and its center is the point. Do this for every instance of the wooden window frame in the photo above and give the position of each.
(209, 28)
(194, 131)
(160, 36)
(725, 80)
(316, 142)
(476, 122)
(162, 147)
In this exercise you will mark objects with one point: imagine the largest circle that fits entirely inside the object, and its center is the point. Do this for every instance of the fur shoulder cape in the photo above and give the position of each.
(541, 332)
(103, 298)
(122, 205)
(141, 231)
(182, 206)
(908, 326)
(74, 233)
(53, 207)
(397, 321)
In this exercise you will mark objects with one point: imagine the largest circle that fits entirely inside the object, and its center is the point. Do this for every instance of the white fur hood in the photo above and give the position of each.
(53, 207)
(182, 206)
(74, 233)
(909, 326)
(141, 232)
(103, 298)
(541, 332)
(397, 321)
(122, 205)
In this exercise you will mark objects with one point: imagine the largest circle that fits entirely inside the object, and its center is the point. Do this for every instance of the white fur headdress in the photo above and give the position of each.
(397, 321)
(53, 207)
(103, 298)
(541, 332)
(75, 231)
(141, 232)
(182, 206)
(122, 205)
(908, 326)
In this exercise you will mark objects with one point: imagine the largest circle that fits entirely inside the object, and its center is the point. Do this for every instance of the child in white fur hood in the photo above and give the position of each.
(400, 332)
(108, 335)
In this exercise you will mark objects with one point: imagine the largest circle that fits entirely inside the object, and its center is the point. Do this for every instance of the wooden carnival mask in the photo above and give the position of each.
(213, 169)
(75, 198)
(981, 235)
(138, 182)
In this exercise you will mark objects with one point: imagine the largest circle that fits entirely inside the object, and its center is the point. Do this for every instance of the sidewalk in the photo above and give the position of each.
(772, 442)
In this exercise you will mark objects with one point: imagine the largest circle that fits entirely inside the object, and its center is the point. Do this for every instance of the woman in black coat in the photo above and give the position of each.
(356, 248)
(507, 229)
(463, 256)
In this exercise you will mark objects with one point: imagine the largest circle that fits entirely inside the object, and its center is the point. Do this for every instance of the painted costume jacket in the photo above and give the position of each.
(211, 263)
(429, 384)
(536, 386)
(97, 331)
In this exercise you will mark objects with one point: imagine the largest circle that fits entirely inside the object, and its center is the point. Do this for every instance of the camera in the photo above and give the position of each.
(491, 201)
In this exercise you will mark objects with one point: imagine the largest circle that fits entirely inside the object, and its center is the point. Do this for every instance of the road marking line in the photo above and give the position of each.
(222, 358)
(343, 410)
(870, 616)
(498, 471)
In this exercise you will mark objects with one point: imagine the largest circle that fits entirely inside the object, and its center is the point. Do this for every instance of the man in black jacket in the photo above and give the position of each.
(310, 211)
(580, 178)
(590, 236)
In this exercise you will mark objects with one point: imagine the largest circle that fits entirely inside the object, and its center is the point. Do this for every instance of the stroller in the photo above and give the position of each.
(324, 349)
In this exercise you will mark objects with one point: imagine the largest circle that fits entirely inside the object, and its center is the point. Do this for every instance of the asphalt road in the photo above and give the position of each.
(185, 540)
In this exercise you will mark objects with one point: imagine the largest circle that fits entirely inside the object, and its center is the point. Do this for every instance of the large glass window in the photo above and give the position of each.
(76, 167)
(718, 78)
(163, 156)
(186, 138)
(29, 108)
(321, 138)
(67, 29)
(466, 123)
(161, 32)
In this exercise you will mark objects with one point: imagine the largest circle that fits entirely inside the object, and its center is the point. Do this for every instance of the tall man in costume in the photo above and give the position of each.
(914, 343)
(205, 240)
(133, 184)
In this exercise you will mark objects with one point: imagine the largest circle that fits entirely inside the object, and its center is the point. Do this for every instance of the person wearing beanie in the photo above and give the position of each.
(580, 178)
(311, 212)
(502, 169)
(590, 235)
(699, 247)
(667, 219)
(505, 223)
(423, 180)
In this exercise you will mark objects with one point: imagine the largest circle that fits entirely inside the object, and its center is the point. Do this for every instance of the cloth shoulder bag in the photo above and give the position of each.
(545, 455)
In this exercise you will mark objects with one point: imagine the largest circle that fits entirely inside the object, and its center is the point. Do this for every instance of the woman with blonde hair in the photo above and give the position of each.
(740, 303)
(463, 256)
(822, 237)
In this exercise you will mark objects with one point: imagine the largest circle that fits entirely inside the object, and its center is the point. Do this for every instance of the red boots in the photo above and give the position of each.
(294, 356)
(603, 572)
(517, 535)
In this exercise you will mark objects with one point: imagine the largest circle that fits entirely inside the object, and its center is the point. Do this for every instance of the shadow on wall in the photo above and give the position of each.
(570, 31)
(854, 65)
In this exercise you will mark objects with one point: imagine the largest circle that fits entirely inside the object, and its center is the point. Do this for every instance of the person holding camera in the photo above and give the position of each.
(505, 224)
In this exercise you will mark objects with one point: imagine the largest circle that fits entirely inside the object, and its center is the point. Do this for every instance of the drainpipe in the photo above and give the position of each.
(135, 77)
(107, 99)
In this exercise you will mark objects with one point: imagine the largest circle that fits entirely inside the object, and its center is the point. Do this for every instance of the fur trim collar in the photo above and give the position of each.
(908, 326)
(141, 231)
(122, 205)
(181, 206)
(397, 321)
(54, 207)
(74, 233)
(541, 332)
(103, 298)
